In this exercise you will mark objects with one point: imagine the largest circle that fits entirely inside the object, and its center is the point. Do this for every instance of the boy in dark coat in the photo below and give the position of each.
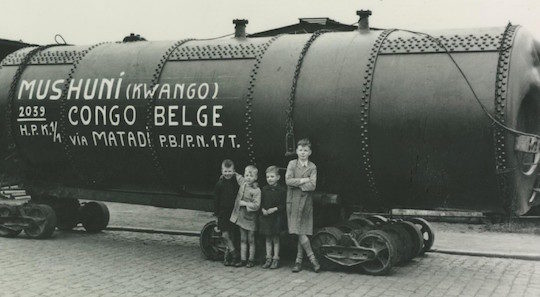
(225, 195)
(272, 207)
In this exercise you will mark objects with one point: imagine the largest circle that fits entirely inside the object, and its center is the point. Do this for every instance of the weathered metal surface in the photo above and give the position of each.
(364, 111)
(151, 103)
(402, 128)
(290, 139)
(248, 122)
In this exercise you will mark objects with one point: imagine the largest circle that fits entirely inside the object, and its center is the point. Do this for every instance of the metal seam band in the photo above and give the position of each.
(63, 114)
(12, 146)
(150, 106)
(249, 99)
(364, 111)
(501, 93)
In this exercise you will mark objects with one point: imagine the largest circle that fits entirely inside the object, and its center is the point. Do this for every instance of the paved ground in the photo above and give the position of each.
(461, 237)
(134, 264)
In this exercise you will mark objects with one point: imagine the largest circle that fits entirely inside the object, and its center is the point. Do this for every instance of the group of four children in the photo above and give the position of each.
(240, 202)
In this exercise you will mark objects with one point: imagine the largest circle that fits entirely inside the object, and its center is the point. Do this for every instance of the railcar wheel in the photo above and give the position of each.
(353, 224)
(347, 226)
(362, 222)
(67, 214)
(5, 231)
(211, 243)
(44, 221)
(428, 235)
(385, 252)
(325, 236)
(357, 233)
(403, 245)
(415, 236)
(94, 216)
(377, 219)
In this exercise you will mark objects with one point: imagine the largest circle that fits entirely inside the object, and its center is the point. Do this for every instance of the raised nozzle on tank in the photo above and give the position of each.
(363, 22)
(133, 37)
(240, 28)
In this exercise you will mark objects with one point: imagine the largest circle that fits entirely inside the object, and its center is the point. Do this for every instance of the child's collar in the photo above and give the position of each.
(303, 163)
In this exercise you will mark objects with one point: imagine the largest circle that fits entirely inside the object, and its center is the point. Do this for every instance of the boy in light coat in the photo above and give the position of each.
(245, 212)
(301, 179)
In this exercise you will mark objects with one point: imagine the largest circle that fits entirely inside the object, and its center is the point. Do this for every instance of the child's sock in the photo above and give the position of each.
(268, 249)
(299, 253)
(307, 247)
(276, 247)
(243, 251)
(252, 251)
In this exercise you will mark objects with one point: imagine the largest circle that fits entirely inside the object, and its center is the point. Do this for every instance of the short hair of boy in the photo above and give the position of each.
(252, 169)
(304, 142)
(273, 169)
(227, 163)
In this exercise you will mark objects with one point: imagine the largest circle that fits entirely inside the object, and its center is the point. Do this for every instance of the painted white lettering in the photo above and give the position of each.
(73, 88)
(216, 115)
(159, 115)
(86, 115)
(137, 91)
(28, 86)
(178, 88)
(72, 110)
(41, 93)
(130, 115)
(106, 86)
(141, 137)
(114, 117)
(149, 92)
(56, 90)
(118, 85)
(165, 92)
(100, 112)
(216, 89)
(203, 90)
(202, 119)
(162, 139)
(185, 122)
(112, 139)
(99, 137)
(131, 139)
(172, 115)
(86, 94)
(191, 91)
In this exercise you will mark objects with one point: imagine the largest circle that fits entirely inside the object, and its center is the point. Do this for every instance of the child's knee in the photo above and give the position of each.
(251, 236)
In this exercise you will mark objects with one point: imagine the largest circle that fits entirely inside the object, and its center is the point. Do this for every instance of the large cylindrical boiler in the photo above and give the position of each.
(392, 119)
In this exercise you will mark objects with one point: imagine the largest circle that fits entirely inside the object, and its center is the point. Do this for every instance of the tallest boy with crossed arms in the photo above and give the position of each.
(301, 179)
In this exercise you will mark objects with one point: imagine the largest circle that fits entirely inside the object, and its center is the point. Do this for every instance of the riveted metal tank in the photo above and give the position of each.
(392, 121)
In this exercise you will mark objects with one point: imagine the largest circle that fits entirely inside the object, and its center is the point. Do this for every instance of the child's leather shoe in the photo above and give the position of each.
(240, 263)
(267, 263)
(250, 264)
(275, 264)
(297, 267)
(315, 263)
(227, 258)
